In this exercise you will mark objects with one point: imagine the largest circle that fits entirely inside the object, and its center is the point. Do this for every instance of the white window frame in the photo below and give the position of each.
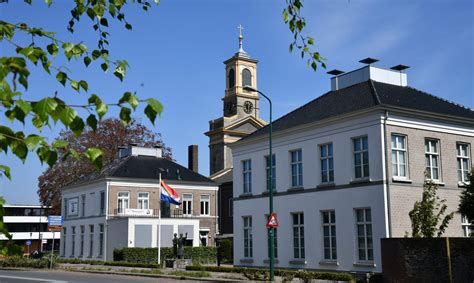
(463, 171)
(397, 152)
(247, 176)
(432, 155)
(73, 242)
(328, 159)
(332, 235)
(187, 204)
(101, 239)
(467, 227)
(142, 200)
(299, 250)
(81, 249)
(367, 236)
(205, 204)
(296, 166)
(267, 172)
(364, 174)
(248, 237)
(121, 199)
(91, 240)
(102, 202)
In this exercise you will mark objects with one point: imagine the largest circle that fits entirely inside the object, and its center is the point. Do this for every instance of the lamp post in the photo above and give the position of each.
(271, 231)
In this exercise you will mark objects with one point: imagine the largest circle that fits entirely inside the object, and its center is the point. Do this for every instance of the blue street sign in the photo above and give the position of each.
(28, 242)
(55, 220)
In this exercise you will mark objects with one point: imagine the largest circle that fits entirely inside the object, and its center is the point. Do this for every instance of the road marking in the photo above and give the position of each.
(32, 279)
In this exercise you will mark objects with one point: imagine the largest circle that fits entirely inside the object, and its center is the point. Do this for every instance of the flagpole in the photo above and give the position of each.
(159, 224)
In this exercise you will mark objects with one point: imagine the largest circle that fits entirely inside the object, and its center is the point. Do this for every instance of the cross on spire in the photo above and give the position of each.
(240, 27)
(241, 49)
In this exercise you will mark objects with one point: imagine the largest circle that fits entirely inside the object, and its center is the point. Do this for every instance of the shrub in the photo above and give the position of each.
(18, 261)
(256, 273)
(199, 274)
(224, 251)
(150, 255)
(108, 263)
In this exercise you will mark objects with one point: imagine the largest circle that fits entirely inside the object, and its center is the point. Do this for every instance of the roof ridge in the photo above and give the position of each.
(374, 92)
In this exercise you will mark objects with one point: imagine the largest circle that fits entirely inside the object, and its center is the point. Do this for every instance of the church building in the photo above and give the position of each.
(240, 117)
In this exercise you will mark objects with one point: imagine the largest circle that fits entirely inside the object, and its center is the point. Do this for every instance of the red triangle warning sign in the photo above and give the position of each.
(272, 221)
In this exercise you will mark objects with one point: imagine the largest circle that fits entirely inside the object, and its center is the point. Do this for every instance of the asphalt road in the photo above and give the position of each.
(20, 276)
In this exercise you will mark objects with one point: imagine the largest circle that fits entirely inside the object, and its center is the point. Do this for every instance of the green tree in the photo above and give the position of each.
(427, 213)
(466, 204)
(109, 136)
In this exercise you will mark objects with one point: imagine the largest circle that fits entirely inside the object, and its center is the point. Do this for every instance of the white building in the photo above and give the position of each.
(349, 166)
(119, 206)
(29, 223)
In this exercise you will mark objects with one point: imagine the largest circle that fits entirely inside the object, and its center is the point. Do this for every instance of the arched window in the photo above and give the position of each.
(231, 78)
(246, 78)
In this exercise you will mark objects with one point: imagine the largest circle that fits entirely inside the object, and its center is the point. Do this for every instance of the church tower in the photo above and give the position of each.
(241, 112)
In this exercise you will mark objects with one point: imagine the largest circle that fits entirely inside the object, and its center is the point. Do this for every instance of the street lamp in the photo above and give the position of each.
(271, 230)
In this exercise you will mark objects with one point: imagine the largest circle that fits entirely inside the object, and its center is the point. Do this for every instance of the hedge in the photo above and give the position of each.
(108, 263)
(256, 273)
(19, 261)
(225, 251)
(199, 255)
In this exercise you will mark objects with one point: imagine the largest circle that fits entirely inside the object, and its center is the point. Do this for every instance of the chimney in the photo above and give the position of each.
(193, 158)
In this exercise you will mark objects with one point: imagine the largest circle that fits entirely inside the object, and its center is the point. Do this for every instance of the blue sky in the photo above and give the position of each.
(176, 52)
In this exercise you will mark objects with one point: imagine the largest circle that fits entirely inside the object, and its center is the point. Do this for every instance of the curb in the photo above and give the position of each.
(203, 279)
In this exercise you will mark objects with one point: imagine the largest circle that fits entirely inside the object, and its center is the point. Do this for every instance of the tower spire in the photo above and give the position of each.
(241, 51)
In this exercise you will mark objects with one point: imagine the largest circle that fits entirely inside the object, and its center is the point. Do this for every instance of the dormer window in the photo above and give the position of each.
(231, 78)
(246, 77)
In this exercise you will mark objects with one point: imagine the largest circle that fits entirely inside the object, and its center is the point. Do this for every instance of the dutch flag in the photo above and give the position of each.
(169, 195)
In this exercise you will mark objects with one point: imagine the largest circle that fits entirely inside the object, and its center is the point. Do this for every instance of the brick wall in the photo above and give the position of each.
(426, 260)
(402, 196)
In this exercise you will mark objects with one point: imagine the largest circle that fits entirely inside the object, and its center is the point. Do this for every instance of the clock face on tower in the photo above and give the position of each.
(248, 107)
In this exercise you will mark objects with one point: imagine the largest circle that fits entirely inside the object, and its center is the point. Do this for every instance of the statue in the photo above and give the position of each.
(175, 245)
(181, 241)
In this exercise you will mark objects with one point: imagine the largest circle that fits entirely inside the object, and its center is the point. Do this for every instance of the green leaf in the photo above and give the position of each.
(75, 85)
(130, 98)
(95, 54)
(125, 115)
(95, 157)
(32, 141)
(104, 66)
(6, 171)
(53, 49)
(84, 85)
(153, 109)
(77, 126)
(19, 149)
(87, 61)
(60, 144)
(47, 155)
(49, 2)
(92, 121)
(104, 22)
(128, 26)
(101, 109)
(67, 115)
(44, 107)
(61, 77)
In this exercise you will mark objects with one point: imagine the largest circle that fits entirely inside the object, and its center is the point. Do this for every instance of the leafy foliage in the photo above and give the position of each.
(109, 135)
(21, 105)
(297, 23)
(20, 261)
(224, 251)
(428, 212)
(150, 255)
(466, 204)
(260, 273)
